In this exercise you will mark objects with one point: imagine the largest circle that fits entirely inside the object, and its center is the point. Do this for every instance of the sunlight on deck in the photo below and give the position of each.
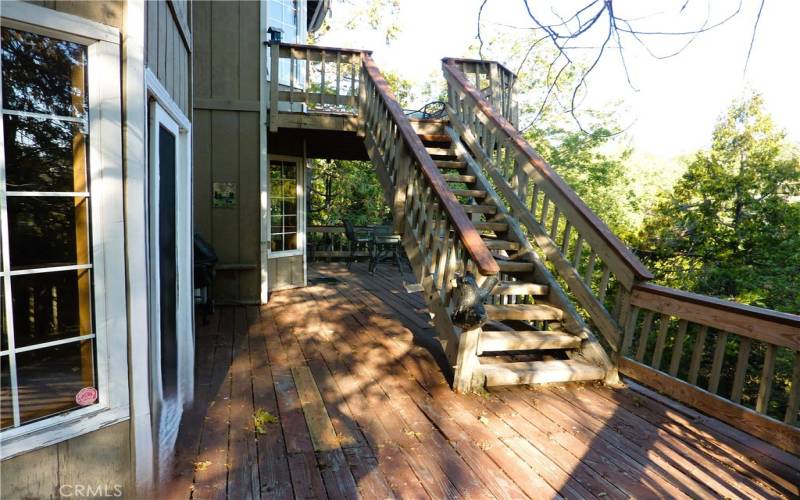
(351, 370)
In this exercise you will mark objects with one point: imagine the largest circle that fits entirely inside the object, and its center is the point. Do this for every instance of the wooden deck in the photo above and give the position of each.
(353, 375)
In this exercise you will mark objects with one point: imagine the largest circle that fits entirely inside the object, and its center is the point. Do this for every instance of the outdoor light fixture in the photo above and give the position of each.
(275, 34)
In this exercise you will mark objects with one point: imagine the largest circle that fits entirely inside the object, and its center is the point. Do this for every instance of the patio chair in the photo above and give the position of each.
(354, 240)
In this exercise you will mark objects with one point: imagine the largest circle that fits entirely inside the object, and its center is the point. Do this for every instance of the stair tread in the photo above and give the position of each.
(491, 226)
(520, 288)
(479, 209)
(540, 372)
(435, 138)
(460, 165)
(437, 151)
(523, 312)
(473, 193)
(515, 340)
(466, 179)
(511, 266)
(496, 244)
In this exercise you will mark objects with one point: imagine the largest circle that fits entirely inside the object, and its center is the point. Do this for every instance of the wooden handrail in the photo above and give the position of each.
(748, 321)
(469, 236)
(458, 60)
(319, 48)
(637, 269)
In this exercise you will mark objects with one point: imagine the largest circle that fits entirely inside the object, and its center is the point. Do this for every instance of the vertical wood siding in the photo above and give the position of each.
(97, 459)
(168, 49)
(226, 138)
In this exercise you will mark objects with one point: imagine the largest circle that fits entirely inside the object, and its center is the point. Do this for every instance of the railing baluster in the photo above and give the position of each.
(554, 225)
(697, 354)
(576, 262)
(644, 335)
(306, 99)
(741, 369)
(338, 79)
(545, 209)
(716, 363)
(663, 327)
(292, 63)
(603, 286)
(567, 234)
(322, 77)
(677, 348)
(589, 274)
(767, 374)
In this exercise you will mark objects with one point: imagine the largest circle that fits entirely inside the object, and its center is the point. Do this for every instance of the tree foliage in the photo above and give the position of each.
(731, 228)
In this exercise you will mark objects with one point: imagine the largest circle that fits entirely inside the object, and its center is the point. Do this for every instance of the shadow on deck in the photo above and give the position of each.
(349, 366)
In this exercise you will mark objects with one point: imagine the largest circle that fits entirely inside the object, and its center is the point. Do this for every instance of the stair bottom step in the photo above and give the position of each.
(540, 372)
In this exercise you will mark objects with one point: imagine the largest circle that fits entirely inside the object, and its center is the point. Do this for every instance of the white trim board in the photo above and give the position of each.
(136, 247)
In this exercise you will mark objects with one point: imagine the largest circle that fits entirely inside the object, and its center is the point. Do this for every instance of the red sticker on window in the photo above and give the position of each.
(86, 396)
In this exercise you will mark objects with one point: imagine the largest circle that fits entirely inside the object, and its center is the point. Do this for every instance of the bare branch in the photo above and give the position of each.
(753, 39)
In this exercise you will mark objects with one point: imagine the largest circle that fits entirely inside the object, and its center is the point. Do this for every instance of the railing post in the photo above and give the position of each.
(274, 85)
(362, 102)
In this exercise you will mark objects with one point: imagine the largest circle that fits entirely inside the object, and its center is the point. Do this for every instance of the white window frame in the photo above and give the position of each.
(301, 208)
(164, 111)
(107, 221)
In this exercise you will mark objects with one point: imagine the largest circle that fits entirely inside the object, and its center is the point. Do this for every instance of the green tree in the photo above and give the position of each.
(731, 226)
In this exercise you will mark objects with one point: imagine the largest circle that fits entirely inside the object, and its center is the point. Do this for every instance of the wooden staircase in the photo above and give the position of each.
(529, 338)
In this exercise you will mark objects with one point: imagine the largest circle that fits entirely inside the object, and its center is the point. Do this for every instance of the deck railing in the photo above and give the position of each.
(597, 268)
(495, 82)
(737, 363)
(718, 356)
(330, 242)
(313, 78)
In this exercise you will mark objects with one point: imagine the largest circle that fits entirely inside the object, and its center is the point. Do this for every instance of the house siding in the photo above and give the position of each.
(108, 12)
(168, 48)
(99, 459)
(226, 141)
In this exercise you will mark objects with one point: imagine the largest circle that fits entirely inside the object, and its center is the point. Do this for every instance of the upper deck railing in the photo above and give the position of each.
(347, 81)
(738, 363)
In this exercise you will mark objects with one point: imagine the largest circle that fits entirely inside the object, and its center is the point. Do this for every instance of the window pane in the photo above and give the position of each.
(290, 242)
(6, 410)
(290, 224)
(49, 379)
(47, 231)
(276, 244)
(51, 306)
(44, 155)
(42, 74)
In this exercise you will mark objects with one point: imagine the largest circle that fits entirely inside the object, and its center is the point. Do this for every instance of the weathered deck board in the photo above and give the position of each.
(350, 369)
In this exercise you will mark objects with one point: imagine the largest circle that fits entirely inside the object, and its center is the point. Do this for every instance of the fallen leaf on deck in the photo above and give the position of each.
(261, 418)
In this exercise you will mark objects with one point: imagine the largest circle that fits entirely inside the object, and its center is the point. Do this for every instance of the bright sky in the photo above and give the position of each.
(678, 100)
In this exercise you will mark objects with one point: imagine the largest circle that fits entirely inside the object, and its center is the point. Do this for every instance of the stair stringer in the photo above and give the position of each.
(591, 350)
